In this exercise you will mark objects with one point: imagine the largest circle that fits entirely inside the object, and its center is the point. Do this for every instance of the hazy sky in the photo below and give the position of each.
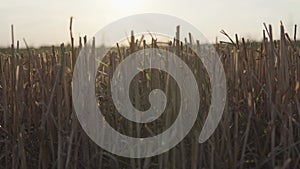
(43, 22)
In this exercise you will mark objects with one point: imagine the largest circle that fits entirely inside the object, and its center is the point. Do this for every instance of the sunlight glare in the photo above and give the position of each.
(124, 5)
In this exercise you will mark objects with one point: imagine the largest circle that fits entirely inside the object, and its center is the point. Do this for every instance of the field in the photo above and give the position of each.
(260, 127)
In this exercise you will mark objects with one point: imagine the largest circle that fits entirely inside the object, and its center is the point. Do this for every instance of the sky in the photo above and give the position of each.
(45, 22)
